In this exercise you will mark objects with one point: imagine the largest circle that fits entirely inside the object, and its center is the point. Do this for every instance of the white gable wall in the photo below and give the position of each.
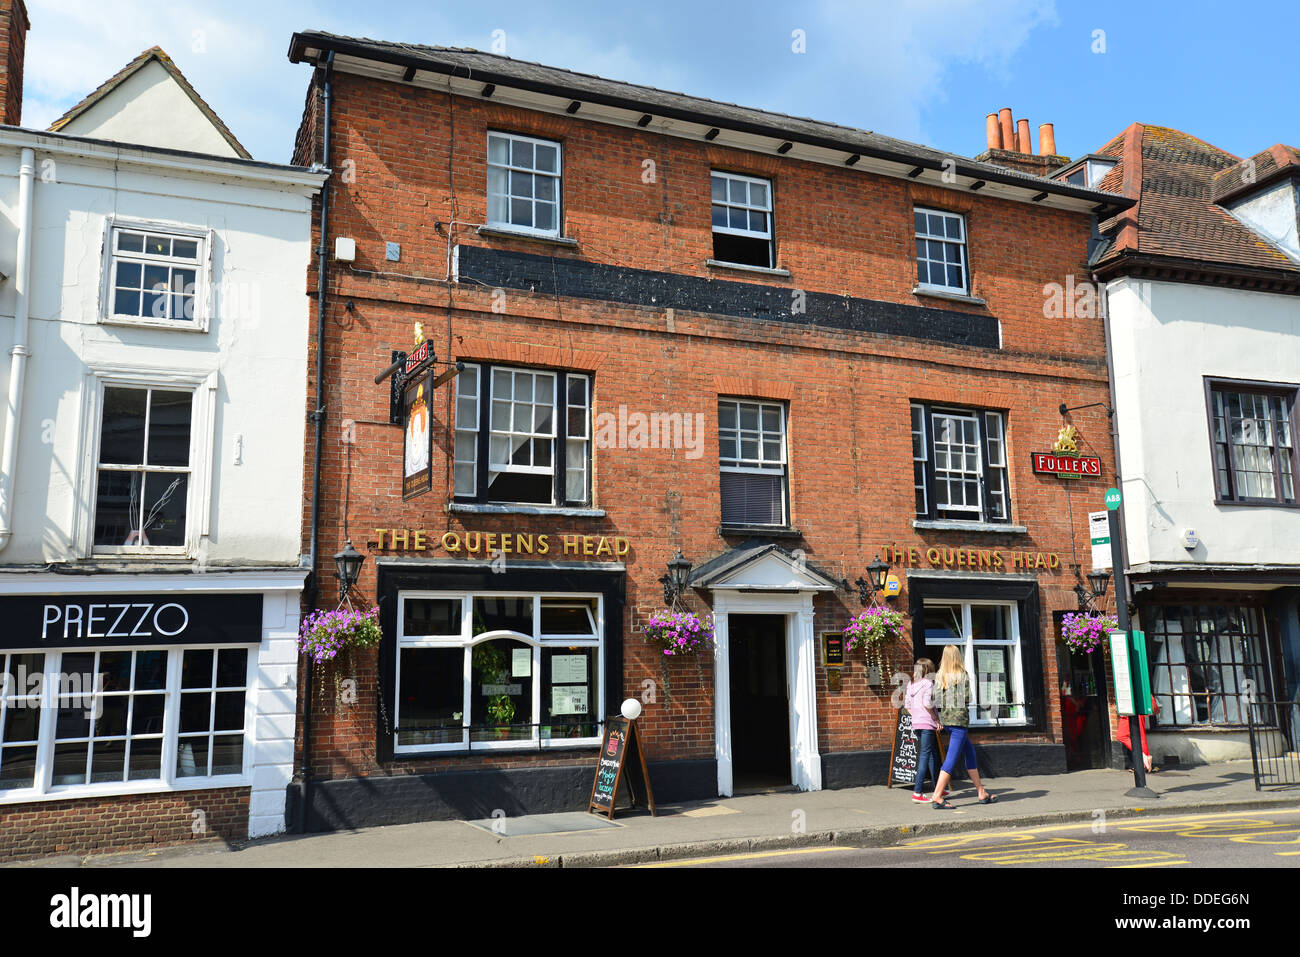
(150, 108)
(1166, 338)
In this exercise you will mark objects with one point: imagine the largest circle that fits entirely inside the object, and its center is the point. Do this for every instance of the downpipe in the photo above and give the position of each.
(19, 354)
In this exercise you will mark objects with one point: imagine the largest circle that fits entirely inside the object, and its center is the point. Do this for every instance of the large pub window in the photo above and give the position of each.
(484, 671)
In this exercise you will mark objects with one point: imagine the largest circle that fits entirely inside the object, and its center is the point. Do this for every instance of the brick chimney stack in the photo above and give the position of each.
(1009, 145)
(13, 45)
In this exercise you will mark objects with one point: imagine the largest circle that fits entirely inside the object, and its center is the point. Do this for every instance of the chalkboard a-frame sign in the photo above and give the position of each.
(906, 752)
(616, 749)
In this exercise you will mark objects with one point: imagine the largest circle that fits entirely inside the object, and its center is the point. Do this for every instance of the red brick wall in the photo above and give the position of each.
(124, 822)
(13, 43)
(851, 495)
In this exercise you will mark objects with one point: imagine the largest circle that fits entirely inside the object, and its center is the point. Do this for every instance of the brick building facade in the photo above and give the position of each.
(713, 317)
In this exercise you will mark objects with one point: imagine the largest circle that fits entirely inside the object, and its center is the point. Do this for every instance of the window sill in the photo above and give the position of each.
(83, 791)
(503, 747)
(175, 325)
(948, 296)
(771, 531)
(1255, 503)
(949, 525)
(486, 508)
(742, 267)
(498, 232)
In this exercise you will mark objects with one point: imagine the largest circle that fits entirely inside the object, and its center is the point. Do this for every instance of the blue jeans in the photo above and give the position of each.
(928, 762)
(960, 746)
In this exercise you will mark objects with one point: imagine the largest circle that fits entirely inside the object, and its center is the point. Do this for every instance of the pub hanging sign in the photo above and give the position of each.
(417, 424)
(1064, 461)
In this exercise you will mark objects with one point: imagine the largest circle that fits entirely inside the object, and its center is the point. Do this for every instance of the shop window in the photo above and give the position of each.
(1254, 452)
(1206, 662)
(752, 461)
(143, 474)
(520, 671)
(156, 275)
(523, 436)
(82, 722)
(989, 635)
(940, 250)
(959, 464)
(742, 220)
(523, 183)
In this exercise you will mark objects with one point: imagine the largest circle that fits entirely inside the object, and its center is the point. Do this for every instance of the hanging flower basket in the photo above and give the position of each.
(872, 630)
(326, 634)
(680, 633)
(1085, 631)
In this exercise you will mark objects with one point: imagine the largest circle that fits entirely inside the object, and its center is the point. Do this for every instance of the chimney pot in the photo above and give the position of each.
(993, 131)
(1022, 137)
(1008, 131)
(1046, 140)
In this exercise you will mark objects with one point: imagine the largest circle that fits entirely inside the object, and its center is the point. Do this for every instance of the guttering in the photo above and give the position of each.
(318, 416)
(156, 158)
(19, 353)
(769, 127)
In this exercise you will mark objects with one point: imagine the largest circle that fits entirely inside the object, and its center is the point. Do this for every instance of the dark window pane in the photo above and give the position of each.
(22, 721)
(503, 614)
(185, 248)
(228, 754)
(20, 670)
(169, 428)
(17, 767)
(196, 711)
(150, 670)
(569, 688)
(229, 711)
(423, 617)
(431, 696)
(111, 721)
(70, 764)
(196, 669)
(130, 242)
(126, 303)
(115, 518)
(122, 432)
(147, 714)
(742, 249)
(108, 762)
(114, 666)
(128, 275)
(164, 508)
(146, 760)
(232, 667)
(73, 719)
(567, 618)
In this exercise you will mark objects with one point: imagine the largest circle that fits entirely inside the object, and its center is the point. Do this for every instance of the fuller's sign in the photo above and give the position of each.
(1064, 460)
(1067, 466)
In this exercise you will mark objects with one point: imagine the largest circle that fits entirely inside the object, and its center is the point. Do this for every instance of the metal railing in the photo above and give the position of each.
(1274, 750)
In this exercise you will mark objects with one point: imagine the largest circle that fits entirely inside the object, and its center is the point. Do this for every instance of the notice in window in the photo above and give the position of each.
(991, 662)
(569, 669)
(993, 690)
(492, 691)
(569, 699)
(521, 662)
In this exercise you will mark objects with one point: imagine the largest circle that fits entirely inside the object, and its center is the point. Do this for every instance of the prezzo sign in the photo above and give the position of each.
(71, 621)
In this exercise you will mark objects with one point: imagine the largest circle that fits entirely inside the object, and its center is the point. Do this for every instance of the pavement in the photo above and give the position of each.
(873, 816)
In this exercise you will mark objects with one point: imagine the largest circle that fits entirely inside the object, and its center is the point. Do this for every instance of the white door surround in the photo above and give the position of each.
(767, 580)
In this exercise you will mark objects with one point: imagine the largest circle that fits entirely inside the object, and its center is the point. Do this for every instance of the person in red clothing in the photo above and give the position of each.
(1125, 736)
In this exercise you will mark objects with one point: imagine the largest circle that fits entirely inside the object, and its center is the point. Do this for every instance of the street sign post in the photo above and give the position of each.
(1128, 654)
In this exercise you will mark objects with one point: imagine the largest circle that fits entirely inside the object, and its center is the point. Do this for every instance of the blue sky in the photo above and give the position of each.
(921, 70)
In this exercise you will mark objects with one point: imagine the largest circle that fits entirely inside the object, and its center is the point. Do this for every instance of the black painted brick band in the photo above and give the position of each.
(576, 278)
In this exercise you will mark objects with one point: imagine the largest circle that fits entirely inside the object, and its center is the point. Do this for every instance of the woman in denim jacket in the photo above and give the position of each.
(953, 694)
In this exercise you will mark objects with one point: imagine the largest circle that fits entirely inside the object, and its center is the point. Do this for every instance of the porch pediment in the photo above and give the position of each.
(762, 566)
